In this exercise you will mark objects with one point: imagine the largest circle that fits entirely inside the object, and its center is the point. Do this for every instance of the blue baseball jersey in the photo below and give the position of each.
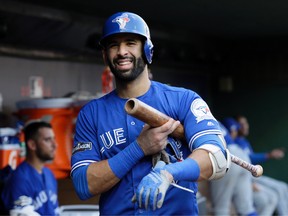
(103, 129)
(26, 186)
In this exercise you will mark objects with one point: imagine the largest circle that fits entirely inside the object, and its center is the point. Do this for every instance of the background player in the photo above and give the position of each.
(113, 151)
(32, 187)
(236, 186)
(265, 182)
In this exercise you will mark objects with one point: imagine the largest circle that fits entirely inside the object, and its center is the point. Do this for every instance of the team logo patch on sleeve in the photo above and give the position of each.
(201, 110)
(82, 146)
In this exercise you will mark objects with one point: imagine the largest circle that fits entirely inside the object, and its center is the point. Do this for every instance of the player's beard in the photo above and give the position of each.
(137, 69)
(44, 156)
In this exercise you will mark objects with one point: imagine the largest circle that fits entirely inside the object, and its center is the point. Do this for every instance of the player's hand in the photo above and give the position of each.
(255, 187)
(152, 189)
(277, 153)
(153, 140)
(24, 211)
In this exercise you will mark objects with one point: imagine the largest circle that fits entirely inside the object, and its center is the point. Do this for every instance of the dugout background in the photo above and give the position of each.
(233, 53)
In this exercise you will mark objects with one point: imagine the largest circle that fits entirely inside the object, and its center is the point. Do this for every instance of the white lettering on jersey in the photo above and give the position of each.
(118, 134)
(118, 138)
(201, 110)
(43, 198)
(111, 142)
(53, 197)
(40, 199)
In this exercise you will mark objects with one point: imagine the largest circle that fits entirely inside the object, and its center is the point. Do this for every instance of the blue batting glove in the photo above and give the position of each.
(152, 189)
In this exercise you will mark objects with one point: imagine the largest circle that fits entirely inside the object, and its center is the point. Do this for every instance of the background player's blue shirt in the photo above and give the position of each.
(229, 140)
(24, 183)
(103, 129)
(255, 158)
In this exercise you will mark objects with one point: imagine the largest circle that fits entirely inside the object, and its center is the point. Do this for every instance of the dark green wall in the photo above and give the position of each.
(266, 109)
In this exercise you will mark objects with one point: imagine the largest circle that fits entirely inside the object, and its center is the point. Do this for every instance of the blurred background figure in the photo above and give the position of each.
(32, 188)
(233, 192)
(265, 182)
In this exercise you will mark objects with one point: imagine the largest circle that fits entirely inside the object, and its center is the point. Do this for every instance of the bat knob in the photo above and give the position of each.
(258, 171)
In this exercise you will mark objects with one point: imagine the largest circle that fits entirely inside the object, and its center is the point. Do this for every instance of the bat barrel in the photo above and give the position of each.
(131, 106)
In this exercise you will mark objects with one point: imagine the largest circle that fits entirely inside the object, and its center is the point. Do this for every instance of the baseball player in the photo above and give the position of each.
(32, 188)
(236, 186)
(113, 151)
(266, 183)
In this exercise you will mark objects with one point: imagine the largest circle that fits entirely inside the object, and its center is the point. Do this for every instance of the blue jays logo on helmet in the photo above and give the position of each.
(121, 20)
(126, 22)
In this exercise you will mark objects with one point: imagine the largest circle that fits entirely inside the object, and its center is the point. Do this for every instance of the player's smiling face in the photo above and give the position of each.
(124, 56)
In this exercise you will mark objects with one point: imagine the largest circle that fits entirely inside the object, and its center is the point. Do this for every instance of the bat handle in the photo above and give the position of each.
(256, 170)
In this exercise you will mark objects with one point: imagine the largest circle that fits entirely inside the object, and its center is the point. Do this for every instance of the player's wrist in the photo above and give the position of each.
(187, 170)
(168, 175)
(123, 162)
(160, 168)
(268, 155)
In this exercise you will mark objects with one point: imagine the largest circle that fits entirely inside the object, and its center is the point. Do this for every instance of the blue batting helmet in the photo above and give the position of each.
(126, 22)
(231, 124)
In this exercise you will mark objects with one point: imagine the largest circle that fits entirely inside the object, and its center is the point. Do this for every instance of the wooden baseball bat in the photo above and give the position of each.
(151, 116)
(155, 118)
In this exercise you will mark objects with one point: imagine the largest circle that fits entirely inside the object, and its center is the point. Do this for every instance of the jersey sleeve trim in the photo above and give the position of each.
(197, 135)
(81, 163)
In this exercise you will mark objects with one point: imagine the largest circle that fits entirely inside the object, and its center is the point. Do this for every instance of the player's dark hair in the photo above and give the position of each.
(31, 130)
(239, 116)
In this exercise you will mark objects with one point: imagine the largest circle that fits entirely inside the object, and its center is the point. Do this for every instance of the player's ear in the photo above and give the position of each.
(31, 144)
